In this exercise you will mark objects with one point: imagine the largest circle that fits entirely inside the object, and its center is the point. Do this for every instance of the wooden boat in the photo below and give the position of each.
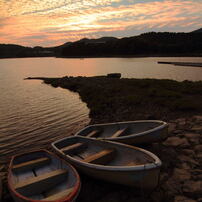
(111, 161)
(131, 132)
(42, 176)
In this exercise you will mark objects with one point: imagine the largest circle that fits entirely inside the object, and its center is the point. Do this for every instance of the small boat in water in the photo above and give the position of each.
(130, 132)
(111, 161)
(42, 176)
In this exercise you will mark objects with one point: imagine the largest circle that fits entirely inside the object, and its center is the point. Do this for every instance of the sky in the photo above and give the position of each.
(54, 22)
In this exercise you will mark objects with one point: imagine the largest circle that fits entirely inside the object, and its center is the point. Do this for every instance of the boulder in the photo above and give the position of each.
(196, 171)
(183, 199)
(181, 124)
(178, 131)
(188, 159)
(198, 118)
(181, 120)
(198, 148)
(2, 167)
(171, 127)
(185, 166)
(199, 158)
(197, 128)
(176, 141)
(188, 152)
(193, 188)
(181, 174)
(173, 186)
(193, 137)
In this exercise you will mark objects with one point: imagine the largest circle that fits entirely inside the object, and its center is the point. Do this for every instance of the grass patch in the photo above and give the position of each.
(116, 97)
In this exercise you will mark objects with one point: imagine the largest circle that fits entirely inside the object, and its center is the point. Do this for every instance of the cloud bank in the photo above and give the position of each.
(53, 22)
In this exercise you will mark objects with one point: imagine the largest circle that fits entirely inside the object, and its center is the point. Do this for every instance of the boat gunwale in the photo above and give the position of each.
(71, 197)
(148, 166)
(164, 125)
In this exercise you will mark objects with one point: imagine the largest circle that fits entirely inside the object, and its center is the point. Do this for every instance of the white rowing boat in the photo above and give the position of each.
(111, 161)
(130, 132)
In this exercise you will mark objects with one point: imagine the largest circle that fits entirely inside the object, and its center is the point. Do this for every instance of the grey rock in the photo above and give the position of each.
(193, 137)
(181, 174)
(188, 160)
(173, 186)
(176, 141)
(197, 128)
(183, 199)
(193, 187)
(198, 148)
(188, 152)
(198, 118)
(171, 127)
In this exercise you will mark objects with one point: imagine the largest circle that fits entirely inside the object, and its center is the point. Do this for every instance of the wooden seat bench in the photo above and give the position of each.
(59, 195)
(102, 157)
(119, 132)
(41, 183)
(77, 147)
(29, 165)
(93, 133)
(132, 163)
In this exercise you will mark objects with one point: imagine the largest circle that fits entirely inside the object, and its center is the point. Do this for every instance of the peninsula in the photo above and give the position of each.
(131, 99)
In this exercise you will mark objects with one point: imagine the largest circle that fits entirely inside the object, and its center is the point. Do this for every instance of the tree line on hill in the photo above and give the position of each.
(147, 44)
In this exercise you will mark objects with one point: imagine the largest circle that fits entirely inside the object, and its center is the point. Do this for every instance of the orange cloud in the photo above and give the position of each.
(34, 22)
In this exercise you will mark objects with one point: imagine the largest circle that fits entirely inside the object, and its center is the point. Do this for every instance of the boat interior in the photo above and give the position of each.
(41, 176)
(117, 130)
(102, 152)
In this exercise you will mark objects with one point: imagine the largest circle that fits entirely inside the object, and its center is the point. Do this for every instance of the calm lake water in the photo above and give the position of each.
(32, 115)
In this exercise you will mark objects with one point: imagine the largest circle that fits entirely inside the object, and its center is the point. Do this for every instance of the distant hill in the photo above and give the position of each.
(197, 31)
(10, 50)
(17, 51)
(147, 44)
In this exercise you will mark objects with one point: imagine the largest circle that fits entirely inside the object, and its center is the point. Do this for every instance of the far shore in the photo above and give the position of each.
(108, 56)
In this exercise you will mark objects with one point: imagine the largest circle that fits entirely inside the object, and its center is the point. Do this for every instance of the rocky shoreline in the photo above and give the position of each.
(181, 153)
(180, 177)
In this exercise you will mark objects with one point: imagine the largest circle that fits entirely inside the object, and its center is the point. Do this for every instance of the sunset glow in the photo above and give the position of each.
(53, 22)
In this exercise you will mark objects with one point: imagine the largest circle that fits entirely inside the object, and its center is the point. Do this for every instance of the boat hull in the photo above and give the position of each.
(157, 134)
(64, 196)
(145, 179)
(143, 176)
